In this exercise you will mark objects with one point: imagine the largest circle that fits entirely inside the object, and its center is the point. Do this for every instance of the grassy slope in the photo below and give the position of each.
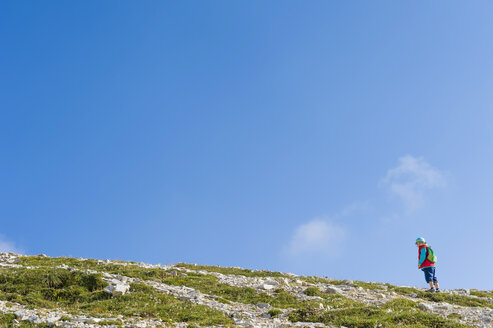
(461, 300)
(78, 293)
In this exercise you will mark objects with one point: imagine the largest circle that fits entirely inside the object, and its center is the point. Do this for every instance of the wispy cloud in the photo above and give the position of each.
(411, 178)
(317, 236)
(7, 246)
(354, 208)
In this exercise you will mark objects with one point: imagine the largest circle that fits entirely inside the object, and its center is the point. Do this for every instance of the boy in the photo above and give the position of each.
(426, 265)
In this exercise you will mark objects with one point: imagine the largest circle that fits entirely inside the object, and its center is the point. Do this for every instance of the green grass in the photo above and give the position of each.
(76, 292)
(147, 303)
(274, 312)
(280, 298)
(85, 295)
(7, 321)
(404, 314)
(454, 316)
(49, 288)
(369, 285)
(313, 291)
(207, 284)
(461, 300)
(480, 293)
(233, 271)
(42, 261)
(110, 323)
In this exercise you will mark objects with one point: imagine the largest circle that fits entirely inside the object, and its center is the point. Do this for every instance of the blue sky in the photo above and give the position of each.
(313, 137)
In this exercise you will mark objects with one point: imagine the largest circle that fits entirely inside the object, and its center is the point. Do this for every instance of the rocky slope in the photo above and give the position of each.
(40, 291)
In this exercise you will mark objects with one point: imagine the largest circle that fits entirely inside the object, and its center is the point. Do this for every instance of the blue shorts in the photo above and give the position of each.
(430, 274)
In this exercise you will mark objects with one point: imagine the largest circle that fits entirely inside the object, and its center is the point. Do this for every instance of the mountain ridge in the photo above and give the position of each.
(41, 291)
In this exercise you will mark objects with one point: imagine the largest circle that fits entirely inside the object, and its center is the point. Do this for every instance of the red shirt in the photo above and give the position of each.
(426, 262)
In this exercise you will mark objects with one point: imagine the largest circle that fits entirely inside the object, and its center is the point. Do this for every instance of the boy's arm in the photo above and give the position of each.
(422, 256)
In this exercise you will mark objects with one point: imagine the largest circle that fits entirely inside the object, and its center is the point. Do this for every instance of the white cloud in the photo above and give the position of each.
(7, 246)
(411, 178)
(315, 237)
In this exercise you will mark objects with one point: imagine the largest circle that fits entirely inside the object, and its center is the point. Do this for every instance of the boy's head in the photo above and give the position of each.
(420, 241)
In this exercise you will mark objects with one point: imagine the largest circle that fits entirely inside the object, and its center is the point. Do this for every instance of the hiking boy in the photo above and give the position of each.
(427, 266)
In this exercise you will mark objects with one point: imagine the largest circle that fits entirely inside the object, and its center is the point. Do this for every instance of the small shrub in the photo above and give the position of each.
(313, 291)
(93, 282)
(6, 319)
(274, 312)
(54, 279)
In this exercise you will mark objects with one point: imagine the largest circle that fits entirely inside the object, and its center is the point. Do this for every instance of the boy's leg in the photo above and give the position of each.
(435, 280)
(429, 277)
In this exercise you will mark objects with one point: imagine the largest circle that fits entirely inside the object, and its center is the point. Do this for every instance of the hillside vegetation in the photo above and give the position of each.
(41, 291)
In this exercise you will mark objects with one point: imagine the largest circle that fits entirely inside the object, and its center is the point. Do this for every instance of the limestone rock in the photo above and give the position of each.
(117, 288)
(263, 305)
(332, 290)
(424, 307)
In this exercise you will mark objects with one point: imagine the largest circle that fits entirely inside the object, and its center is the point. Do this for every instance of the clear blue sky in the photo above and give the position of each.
(316, 137)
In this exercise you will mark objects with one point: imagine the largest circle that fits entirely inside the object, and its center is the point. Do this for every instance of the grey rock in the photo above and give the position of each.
(117, 289)
(424, 307)
(263, 305)
(266, 286)
(62, 266)
(20, 314)
(332, 290)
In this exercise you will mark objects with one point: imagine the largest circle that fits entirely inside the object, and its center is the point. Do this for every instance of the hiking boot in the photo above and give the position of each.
(431, 290)
(437, 290)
